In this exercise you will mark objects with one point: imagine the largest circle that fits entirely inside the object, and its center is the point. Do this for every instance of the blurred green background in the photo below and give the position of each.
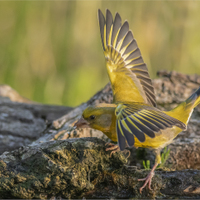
(51, 52)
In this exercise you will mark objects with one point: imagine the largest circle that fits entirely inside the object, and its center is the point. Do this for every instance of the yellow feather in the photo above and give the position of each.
(110, 35)
(132, 108)
(125, 84)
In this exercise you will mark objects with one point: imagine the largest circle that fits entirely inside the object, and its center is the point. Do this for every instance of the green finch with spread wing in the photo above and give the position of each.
(133, 118)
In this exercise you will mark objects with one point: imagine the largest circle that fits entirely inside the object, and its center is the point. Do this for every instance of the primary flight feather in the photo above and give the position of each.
(127, 71)
(133, 118)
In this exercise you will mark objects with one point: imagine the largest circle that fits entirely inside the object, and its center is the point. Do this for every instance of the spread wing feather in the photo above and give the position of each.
(126, 69)
(138, 120)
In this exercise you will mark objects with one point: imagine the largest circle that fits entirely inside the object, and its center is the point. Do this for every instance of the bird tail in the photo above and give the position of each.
(184, 110)
(194, 99)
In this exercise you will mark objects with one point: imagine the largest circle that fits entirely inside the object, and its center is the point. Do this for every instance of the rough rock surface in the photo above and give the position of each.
(81, 168)
(58, 163)
(23, 121)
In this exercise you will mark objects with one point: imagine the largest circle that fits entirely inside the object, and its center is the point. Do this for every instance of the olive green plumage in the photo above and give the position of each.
(127, 71)
(133, 118)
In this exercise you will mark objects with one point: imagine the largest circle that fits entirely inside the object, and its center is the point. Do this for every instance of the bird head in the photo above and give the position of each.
(98, 117)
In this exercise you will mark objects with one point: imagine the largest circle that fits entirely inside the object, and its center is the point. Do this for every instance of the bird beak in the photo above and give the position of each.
(81, 123)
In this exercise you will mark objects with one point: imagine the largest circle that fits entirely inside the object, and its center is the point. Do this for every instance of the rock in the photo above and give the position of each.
(81, 168)
(23, 121)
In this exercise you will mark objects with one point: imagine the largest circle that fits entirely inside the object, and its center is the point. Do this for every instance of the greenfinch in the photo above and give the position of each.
(133, 118)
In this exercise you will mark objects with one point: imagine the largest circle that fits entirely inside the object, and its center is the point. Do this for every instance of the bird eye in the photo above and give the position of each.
(92, 117)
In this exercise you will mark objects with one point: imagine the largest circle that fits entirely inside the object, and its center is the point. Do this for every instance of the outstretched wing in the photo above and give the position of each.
(127, 71)
(138, 120)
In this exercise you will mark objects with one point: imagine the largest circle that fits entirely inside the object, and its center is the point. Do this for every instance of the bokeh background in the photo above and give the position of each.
(50, 51)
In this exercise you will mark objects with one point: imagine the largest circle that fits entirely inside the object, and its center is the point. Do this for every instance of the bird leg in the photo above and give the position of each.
(148, 178)
(115, 148)
(110, 144)
(112, 147)
(151, 174)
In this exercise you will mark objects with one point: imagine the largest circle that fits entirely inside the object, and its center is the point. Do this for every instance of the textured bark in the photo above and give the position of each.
(58, 163)
(78, 168)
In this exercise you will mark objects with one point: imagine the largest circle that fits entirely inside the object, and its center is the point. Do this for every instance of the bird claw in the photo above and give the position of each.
(109, 144)
(114, 151)
(129, 153)
(115, 148)
(147, 181)
(111, 147)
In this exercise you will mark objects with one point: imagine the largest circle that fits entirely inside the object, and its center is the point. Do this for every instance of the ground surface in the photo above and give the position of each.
(43, 157)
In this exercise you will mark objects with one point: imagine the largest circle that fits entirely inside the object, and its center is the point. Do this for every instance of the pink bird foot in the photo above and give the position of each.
(148, 179)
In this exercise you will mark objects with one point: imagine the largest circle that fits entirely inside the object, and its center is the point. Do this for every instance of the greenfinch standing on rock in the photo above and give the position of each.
(133, 118)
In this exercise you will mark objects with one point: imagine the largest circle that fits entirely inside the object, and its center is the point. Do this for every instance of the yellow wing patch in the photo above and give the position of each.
(126, 69)
(138, 120)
